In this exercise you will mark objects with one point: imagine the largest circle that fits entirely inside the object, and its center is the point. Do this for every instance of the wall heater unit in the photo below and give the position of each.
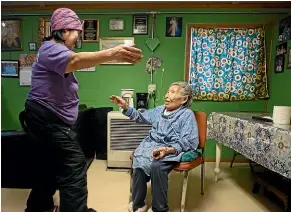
(123, 137)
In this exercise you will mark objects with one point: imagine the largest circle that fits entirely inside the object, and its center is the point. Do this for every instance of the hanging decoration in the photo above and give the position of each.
(152, 43)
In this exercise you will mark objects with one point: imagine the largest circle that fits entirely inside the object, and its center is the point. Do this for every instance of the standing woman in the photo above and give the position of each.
(51, 109)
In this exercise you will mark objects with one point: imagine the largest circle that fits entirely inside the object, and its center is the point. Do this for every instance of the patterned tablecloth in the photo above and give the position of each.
(265, 143)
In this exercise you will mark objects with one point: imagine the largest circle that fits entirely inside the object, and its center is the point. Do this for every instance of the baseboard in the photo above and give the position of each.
(237, 160)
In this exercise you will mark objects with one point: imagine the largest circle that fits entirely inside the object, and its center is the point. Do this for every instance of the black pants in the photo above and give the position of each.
(159, 184)
(61, 162)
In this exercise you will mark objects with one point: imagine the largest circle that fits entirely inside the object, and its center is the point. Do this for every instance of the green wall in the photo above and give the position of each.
(96, 87)
(280, 84)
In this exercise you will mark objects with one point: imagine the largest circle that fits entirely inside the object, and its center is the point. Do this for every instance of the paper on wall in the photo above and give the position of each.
(25, 71)
(25, 76)
(128, 42)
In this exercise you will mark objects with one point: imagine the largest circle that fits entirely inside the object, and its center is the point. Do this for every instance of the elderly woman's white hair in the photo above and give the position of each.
(186, 91)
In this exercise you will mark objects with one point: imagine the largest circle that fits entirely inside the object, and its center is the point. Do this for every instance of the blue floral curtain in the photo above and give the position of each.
(228, 64)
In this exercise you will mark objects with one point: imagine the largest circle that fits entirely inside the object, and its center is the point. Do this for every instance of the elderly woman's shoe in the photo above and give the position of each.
(130, 208)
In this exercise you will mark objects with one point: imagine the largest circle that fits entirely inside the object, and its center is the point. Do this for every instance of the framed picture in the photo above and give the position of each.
(78, 44)
(107, 43)
(140, 25)
(9, 68)
(44, 29)
(284, 29)
(47, 28)
(116, 24)
(11, 39)
(32, 46)
(279, 64)
(281, 48)
(289, 59)
(91, 30)
(173, 26)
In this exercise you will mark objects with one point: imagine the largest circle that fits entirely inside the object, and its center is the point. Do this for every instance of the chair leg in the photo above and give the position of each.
(130, 186)
(202, 177)
(184, 191)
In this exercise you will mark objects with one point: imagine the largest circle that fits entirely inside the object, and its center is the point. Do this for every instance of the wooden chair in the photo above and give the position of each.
(185, 167)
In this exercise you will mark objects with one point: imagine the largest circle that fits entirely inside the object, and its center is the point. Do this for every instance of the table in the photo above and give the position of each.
(265, 143)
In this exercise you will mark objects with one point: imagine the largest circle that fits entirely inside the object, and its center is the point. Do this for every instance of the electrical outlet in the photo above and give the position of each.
(152, 88)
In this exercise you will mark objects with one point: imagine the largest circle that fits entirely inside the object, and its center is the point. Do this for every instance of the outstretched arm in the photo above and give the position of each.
(146, 117)
(126, 53)
(135, 115)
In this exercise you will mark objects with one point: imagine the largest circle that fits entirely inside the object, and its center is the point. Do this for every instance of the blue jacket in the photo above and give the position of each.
(178, 129)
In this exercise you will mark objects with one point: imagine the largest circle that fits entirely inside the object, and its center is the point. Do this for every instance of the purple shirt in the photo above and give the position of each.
(50, 86)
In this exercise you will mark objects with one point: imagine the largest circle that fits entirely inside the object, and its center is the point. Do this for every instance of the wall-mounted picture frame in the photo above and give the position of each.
(44, 29)
(47, 29)
(174, 26)
(78, 44)
(11, 37)
(281, 48)
(116, 24)
(111, 42)
(9, 68)
(289, 59)
(32, 46)
(140, 24)
(279, 64)
(284, 29)
(90, 30)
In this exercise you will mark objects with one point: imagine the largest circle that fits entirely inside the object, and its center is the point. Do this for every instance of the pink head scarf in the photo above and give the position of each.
(64, 18)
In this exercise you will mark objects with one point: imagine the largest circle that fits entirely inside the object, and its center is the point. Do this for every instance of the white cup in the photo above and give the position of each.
(282, 115)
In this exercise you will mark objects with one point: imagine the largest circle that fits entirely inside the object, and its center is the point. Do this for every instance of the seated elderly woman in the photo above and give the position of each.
(174, 131)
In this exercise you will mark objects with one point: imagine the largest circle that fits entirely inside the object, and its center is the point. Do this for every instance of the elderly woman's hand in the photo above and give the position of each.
(159, 153)
(162, 152)
(119, 101)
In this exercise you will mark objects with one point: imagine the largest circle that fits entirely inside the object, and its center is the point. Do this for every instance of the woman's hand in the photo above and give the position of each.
(162, 152)
(159, 153)
(119, 101)
(127, 53)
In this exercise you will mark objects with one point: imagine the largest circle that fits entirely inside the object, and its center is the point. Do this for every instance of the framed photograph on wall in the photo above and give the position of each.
(78, 44)
(140, 25)
(107, 43)
(44, 29)
(173, 26)
(279, 64)
(116, 24)
(47, 29)
(281, 48)
(284, 29)
(9, 68)
(11, 38)
(289, 59)
(91, 30)
(32, 46)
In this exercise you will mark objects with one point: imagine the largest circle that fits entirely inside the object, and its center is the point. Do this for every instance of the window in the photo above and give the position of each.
(226, 63)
